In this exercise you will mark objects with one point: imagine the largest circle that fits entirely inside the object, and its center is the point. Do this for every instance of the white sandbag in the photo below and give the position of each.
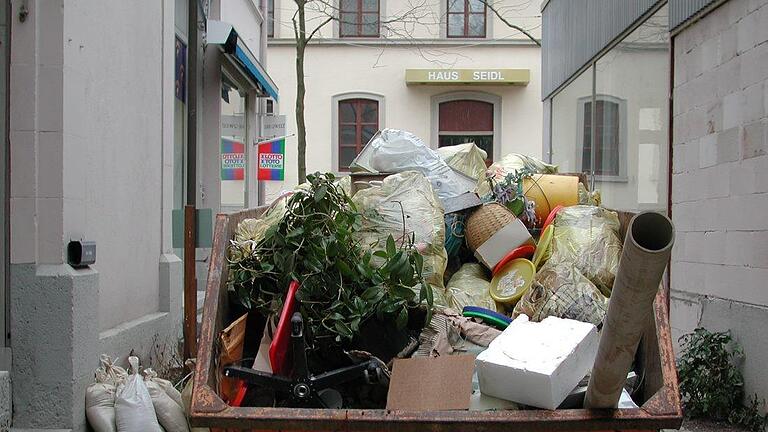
(100, 396)
(134, 411)
(167, 386)
(100, 407)
(169, 413)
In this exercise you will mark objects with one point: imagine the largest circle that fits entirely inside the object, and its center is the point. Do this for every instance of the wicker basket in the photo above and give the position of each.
(485, 222)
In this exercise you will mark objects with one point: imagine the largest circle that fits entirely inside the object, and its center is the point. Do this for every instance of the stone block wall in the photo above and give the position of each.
(720, 180)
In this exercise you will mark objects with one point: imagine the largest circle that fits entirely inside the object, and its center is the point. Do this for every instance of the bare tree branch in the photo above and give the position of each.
(311, 35)
(509, 24)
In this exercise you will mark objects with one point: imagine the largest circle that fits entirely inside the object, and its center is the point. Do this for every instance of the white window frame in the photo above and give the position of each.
(335, 99)
(622, 103)
(493, 99)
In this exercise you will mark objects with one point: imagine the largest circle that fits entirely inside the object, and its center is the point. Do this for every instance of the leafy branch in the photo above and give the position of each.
(343, 284)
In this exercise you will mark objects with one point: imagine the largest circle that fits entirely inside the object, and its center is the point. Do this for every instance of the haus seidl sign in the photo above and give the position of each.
(468, 76)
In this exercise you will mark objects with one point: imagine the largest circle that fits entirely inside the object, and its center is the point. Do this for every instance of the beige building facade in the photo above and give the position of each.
(447, 77)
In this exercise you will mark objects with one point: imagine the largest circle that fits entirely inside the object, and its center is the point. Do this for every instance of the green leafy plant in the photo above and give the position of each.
(343, 283)
(711, 385)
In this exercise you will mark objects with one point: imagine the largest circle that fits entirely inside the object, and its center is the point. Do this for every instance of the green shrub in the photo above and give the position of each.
(711, 385)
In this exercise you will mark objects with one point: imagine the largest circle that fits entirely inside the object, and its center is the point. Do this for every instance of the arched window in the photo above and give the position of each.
(609, 145)
(464, 120)
(358, 122)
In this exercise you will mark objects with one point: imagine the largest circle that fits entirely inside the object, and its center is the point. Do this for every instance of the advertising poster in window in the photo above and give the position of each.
(271, 158)
(232, 160)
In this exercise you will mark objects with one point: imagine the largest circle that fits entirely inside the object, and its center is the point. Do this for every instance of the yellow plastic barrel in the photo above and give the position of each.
(548, 191)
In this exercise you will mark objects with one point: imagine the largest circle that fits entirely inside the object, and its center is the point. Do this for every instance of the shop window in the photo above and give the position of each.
(270, 18)
(466, 18)
(359, 18)
(611, 120)
(358, 122)
(463, 121)
(608, 141)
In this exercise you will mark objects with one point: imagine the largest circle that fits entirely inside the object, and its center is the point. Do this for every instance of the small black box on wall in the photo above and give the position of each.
(81, 253)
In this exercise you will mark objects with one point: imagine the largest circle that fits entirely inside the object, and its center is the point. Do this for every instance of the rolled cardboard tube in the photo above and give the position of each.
(647, 249)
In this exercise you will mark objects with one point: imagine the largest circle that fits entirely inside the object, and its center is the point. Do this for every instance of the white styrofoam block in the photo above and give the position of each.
(537, 364)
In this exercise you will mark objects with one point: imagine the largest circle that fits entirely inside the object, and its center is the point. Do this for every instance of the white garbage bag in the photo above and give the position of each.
(134, 411)
(397, 151)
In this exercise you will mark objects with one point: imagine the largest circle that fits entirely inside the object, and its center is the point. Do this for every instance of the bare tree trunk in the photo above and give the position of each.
(301, 127)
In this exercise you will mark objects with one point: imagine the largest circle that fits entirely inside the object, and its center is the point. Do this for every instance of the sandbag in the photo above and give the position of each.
(134, 411)
(100, 396)
(407, 196)
(509, 164)
(170, 414)
(588, 238)
(167, 386)
(100, 407)
(468, 159)
(560, 290)
(469, 286)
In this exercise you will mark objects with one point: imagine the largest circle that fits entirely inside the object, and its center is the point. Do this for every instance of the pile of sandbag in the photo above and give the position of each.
(123, 402)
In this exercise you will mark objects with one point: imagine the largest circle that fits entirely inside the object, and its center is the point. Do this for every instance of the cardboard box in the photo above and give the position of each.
(429, 384)
(537, 364)
(507, 239)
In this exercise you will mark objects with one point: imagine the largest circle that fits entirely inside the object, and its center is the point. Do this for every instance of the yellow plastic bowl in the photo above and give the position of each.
(512, 281)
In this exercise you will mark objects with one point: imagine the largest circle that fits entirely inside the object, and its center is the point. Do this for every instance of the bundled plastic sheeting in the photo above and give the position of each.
(396, 151)
(470, 287)
(468, 159)
(509, 164)
(407, 196)
(560, 290)
(588, 238)
(134, 411)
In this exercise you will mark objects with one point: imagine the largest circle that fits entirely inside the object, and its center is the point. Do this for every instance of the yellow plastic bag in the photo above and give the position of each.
(406, 197)
(469, 286)
(588, 238)
(560, 290)
(468, 159)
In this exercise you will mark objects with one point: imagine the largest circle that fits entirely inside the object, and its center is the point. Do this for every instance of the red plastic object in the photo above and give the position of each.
(278, 349)
(524, 251)
(242, 389)
(551, 216)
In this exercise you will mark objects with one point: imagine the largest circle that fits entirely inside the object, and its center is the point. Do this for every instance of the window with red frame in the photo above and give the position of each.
(358, 122)
(359, 18)
(466, 18)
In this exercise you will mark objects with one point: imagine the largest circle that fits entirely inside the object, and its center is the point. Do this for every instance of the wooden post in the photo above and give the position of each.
(190, 284)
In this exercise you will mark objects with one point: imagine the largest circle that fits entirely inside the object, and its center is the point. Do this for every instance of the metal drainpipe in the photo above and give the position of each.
(190, 279)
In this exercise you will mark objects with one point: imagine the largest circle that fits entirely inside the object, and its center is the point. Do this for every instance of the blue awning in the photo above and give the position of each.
(225, 35)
